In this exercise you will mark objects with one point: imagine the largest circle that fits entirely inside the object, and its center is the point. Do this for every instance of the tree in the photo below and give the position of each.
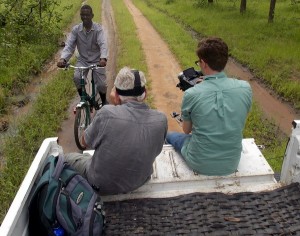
(272, 11)
(28, 20)
(243, 6)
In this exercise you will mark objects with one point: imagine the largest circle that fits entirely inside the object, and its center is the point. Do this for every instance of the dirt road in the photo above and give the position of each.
(163, 69)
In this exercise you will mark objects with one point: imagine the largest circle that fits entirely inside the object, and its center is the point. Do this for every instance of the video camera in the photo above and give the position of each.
(188, 78)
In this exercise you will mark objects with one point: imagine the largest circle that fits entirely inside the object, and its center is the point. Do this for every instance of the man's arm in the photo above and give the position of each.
(70, 45)
(102, 42)
(83, 140)
(187, 127)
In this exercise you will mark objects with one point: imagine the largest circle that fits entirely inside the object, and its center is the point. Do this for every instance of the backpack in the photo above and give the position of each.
(64, 200)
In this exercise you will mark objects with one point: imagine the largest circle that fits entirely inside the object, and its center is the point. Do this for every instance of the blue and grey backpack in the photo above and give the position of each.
(64, 200)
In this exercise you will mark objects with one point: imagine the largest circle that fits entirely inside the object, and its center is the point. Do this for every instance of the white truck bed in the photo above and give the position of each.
(171, 177)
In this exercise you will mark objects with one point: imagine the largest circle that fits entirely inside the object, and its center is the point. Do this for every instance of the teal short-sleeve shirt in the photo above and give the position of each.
(217, 108)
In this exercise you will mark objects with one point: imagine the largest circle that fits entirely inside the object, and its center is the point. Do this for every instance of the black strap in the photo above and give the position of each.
(137, 90)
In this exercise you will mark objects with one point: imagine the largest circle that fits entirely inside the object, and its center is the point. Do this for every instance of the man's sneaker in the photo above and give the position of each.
(97, 106)
(105, 103)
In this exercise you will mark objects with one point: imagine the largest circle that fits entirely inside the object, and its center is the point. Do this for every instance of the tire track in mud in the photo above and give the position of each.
(274, 109)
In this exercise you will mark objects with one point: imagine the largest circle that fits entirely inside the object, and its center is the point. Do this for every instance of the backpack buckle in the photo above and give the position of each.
(96, 188)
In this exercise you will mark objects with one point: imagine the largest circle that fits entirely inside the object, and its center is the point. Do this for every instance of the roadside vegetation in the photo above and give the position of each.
(270, 50)
(43, 120)
(49, 109)
(29, 34)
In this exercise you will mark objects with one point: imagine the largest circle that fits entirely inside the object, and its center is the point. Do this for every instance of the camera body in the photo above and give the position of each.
(188, 78)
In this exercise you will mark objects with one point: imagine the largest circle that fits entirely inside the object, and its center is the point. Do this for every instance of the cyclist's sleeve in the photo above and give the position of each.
(102, 42)
(70, 44)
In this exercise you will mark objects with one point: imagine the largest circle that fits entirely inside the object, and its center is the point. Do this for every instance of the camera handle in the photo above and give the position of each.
(177, 117)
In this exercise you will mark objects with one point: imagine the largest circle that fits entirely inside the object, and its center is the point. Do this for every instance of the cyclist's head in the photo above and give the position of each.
(86, 7)
(86, 14)
(130, 84)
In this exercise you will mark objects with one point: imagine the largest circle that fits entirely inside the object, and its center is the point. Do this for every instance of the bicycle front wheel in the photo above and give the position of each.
(82, 120)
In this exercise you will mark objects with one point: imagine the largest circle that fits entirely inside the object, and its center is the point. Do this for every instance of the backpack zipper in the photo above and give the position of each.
(69, 209)
(93, 216)
(97, 210)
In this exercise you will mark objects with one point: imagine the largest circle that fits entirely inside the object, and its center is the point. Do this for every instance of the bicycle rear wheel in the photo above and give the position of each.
(82, 120)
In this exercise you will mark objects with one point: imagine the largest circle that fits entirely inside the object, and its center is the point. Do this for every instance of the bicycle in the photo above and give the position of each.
(86, 105)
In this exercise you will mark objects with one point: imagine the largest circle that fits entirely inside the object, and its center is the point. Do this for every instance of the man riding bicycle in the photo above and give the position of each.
(91, 42)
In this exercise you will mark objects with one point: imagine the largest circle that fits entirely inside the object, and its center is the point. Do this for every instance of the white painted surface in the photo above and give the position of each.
(290, 171)
(171, 177)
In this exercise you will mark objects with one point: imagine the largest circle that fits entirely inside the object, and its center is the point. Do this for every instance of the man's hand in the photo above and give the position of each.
(83, 140)
(200, 79)
(187, 127)
(62, 63)
(102, 62)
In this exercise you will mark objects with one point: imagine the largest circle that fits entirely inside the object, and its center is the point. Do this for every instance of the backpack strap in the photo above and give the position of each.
(35, 209)
(58, 167)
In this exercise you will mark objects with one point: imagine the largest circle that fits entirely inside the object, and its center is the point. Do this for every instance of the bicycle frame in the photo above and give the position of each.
(84, 107)
(85, 98)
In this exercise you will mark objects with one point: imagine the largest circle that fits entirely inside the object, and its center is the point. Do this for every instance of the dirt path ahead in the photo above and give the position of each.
(163, 70)
(66, 134)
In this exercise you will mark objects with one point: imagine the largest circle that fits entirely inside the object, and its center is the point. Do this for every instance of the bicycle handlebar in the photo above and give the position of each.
(90, 67)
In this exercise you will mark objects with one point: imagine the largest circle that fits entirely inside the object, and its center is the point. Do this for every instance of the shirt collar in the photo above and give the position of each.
(136, 104)
(81, 27)
(219, 75)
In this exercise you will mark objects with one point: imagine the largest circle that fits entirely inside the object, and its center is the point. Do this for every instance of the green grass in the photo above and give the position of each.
(271, 51)
(20, 63)
(96, 5)
(130, 52)
(43, 120)
(266, 133)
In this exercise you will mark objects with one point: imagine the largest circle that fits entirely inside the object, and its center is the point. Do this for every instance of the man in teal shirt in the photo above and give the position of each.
(214, 113)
